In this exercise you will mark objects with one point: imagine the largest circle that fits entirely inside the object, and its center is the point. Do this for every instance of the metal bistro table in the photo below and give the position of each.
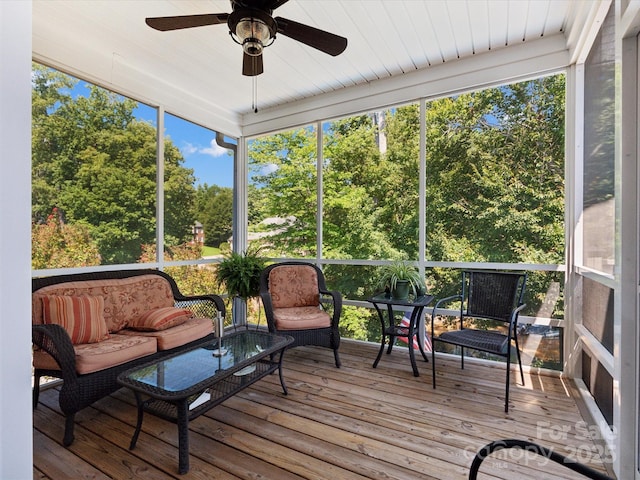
(392, 329)
(182, 387)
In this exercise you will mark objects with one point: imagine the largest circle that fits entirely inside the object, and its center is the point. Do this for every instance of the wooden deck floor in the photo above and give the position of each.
(355, 422)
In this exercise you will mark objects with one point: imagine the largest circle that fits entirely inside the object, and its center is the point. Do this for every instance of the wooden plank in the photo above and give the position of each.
(113, 460)
(436, 402)
(355, 422)
(395, 427)
(562, 444)
(59, 464)
(206, 445)
(38, 475)
(366, 457)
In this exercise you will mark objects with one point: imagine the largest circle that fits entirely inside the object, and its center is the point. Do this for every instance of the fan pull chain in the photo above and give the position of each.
(254, 104)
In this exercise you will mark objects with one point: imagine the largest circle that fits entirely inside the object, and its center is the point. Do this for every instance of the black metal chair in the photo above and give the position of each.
(493, 296)
(567, 462)
(297, 303)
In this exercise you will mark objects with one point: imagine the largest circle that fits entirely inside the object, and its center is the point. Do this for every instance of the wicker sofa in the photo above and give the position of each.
(90, 327)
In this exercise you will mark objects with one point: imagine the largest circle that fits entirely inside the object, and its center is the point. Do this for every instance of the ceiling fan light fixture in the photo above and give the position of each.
(253, 30)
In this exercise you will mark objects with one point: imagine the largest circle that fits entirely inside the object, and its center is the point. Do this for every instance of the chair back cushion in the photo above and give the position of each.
(294, 286)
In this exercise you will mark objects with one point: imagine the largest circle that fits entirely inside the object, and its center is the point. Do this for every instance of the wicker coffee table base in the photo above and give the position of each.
(183, 406)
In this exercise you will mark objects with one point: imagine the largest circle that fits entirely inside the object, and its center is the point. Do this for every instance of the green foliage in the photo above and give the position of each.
(95, 162)
(191, 279)
(55, 244)
(494, 185)
(356, 322)
(240, 273)
(214, 209)
(495, 181)
(284, 166)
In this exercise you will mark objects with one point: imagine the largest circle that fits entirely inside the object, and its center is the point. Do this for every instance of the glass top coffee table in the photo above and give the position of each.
(183, 386)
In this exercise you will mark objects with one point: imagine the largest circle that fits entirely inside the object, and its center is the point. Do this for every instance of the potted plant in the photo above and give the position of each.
(400, 278)
(239, 272)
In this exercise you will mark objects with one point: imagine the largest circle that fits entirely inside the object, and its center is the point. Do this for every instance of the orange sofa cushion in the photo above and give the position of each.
(124, 298)
(92, 357)
(192, 329)
(81, 316)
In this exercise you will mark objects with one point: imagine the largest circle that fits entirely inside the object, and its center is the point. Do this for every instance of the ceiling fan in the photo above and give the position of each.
(252, 25)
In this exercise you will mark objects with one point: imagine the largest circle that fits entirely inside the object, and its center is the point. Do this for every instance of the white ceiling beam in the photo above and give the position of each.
(508, 64)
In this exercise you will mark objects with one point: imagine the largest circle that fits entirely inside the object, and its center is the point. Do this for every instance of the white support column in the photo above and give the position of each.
(16, 416)
(319, 183)
(240, 216)
(574, 133)
(422, 186)
(160, 188)
(626, 338)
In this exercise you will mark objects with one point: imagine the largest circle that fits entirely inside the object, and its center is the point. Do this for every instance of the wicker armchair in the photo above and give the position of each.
(294, 295)
(531, 447)
(493, 296)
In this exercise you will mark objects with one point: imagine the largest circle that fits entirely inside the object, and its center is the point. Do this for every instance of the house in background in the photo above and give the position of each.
(197, 232)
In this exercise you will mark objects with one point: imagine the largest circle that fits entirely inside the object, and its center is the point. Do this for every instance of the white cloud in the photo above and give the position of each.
(213, 150)
(189, 149)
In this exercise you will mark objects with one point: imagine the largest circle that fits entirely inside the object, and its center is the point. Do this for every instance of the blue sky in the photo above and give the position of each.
(211, 163)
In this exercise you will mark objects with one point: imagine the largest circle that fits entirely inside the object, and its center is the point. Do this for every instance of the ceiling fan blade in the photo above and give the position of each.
(251, 65)
(324, 41)
(186, 21)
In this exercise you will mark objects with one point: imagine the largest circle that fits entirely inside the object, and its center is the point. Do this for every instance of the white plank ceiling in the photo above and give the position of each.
(197, 72)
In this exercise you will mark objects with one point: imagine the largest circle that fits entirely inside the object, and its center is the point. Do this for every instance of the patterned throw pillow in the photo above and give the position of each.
(81, 316)
(160, 319)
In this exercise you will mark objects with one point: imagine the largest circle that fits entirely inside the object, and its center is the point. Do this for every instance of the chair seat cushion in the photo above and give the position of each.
(192, 329)
(486, 340)
(299, 318)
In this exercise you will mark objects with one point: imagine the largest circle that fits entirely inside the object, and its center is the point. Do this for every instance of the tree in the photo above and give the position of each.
(494, 184)
(95, 162)
(57, 245)
(284, 167)
(495, 162)
(191, 279)
(214, 209)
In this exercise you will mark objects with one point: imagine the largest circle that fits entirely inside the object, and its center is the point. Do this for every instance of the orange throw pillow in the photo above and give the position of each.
(81, 316)
(160, 319)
